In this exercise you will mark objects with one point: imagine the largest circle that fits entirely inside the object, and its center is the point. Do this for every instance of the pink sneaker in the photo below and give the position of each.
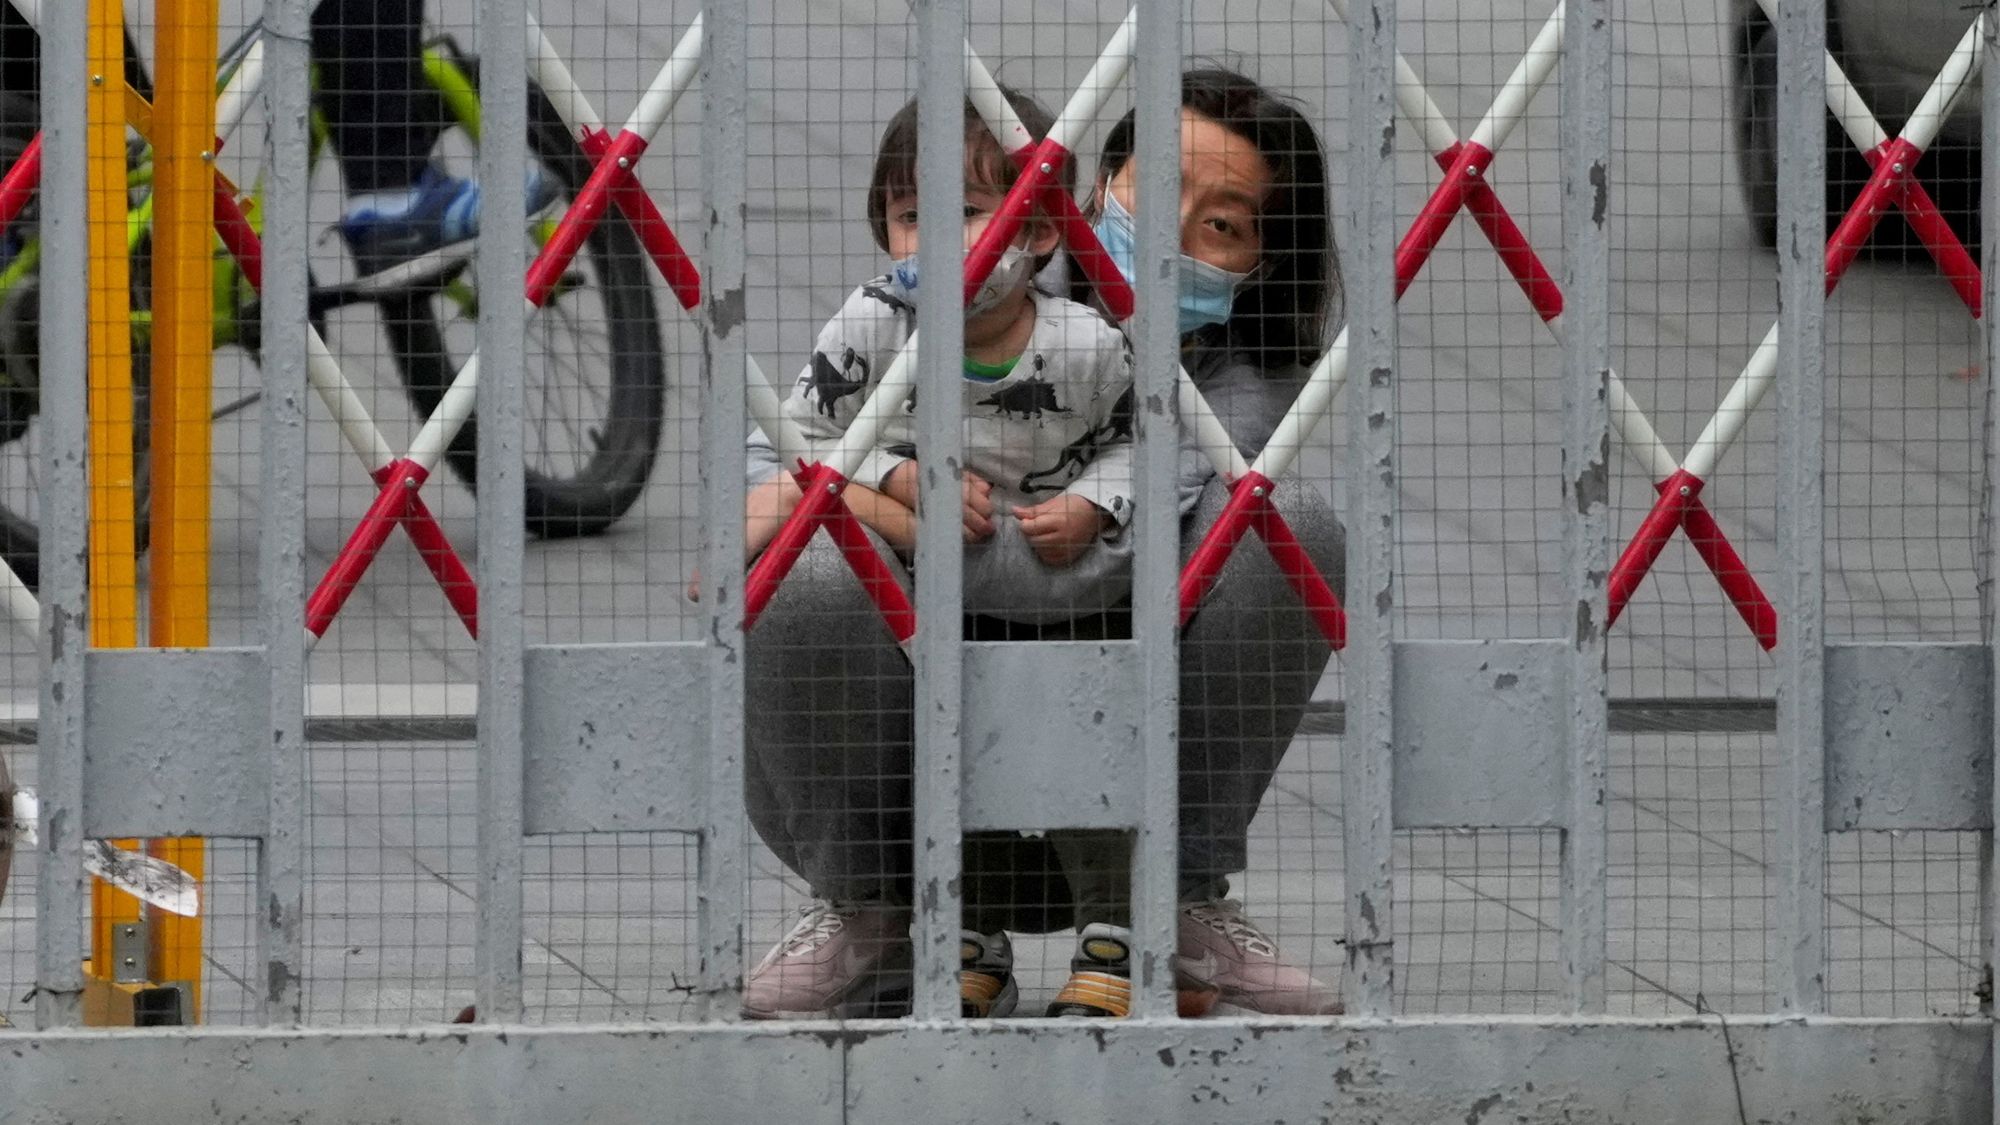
(842, 960)
(1220, 947)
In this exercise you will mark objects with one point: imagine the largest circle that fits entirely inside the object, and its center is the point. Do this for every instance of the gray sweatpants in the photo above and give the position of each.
(830, 736)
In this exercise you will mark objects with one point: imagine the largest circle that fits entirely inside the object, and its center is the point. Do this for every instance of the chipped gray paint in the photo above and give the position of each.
(501, 262)
(1156, 82)
(725, 98)
(1989, 203)
(281, 527)
(1799, 953)
(1586, 107)
(1406, 1072)
(1367, 753)
(59, 762)
(939, 651)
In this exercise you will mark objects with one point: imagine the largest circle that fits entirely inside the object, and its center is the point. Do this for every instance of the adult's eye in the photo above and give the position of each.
(1230, 227)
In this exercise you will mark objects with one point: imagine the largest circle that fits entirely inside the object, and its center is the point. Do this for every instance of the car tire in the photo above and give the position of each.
(1949, 171)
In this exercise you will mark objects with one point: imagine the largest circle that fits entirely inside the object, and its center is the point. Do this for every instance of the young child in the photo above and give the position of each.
(1044, 382)
(1046, 493)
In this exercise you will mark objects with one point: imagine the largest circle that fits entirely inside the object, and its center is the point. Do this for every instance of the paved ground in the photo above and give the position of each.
(391, 931)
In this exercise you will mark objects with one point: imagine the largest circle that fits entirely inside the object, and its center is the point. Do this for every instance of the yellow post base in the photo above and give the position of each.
(124, 1003)
(110, 1003)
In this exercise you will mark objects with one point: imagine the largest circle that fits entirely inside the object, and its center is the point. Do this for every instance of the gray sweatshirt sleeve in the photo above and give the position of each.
(1004, 578)
(760, 457)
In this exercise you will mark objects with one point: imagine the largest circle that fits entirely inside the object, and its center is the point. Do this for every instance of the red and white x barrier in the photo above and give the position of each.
(612, 182)
(24, 179)
(322, 370)
(616, 156)
(1465, 186)
(1039, 185)
(1893, 183)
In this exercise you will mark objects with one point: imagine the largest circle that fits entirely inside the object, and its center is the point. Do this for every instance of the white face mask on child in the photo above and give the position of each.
(1012, 271)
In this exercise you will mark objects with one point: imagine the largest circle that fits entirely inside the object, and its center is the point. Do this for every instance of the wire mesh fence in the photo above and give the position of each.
(614, 387)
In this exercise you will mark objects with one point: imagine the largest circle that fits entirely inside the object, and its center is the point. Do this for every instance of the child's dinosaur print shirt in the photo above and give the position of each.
(1059, 421)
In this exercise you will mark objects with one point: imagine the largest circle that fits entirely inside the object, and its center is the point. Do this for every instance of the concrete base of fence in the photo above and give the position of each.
(1473, 1070)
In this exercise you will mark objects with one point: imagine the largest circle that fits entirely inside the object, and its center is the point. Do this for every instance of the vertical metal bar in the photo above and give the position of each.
(1800, 946)
(502, 261)
(1586, 200)
(282, 511)
(939, 650)
(1366, 754)
(1156, 565)
(64, 321)
(1989, 616)
(182, 395)
(724, 142)
(1989, 605)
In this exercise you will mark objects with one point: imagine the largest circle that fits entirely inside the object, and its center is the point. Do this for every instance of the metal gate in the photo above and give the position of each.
(1496, 729)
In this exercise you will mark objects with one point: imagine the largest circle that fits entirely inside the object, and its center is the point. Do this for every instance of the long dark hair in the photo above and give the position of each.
(1281, 317)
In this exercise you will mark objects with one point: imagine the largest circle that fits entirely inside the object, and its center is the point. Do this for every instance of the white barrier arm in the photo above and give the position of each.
(552, 74)
(241, 92)
(657, 104)
(1761, 372)
(1511, 104)
(22, 608)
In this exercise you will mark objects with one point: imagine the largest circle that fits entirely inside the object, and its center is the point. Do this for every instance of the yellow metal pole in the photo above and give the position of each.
(114, 580)
(184, 44)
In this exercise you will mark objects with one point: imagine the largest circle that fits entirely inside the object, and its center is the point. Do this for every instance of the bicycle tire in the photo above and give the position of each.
(609, 478)
(20, 356)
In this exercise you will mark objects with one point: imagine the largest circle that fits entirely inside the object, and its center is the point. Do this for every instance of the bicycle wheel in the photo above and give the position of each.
(596, 394)
(20, 375)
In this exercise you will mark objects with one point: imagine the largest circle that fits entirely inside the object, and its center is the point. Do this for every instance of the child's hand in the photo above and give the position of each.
(1063, 528)
(976, 511)
(978, 508)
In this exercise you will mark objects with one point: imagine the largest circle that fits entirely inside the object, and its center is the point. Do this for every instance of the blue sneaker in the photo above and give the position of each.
(402, 238)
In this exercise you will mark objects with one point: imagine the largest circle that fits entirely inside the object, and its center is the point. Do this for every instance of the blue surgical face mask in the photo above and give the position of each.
(1013, 269)
(1206, 292)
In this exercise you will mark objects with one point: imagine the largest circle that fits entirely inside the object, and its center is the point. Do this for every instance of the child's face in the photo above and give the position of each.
(982, 202)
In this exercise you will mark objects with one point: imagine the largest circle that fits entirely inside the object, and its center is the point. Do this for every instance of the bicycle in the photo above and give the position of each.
(583, 474)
